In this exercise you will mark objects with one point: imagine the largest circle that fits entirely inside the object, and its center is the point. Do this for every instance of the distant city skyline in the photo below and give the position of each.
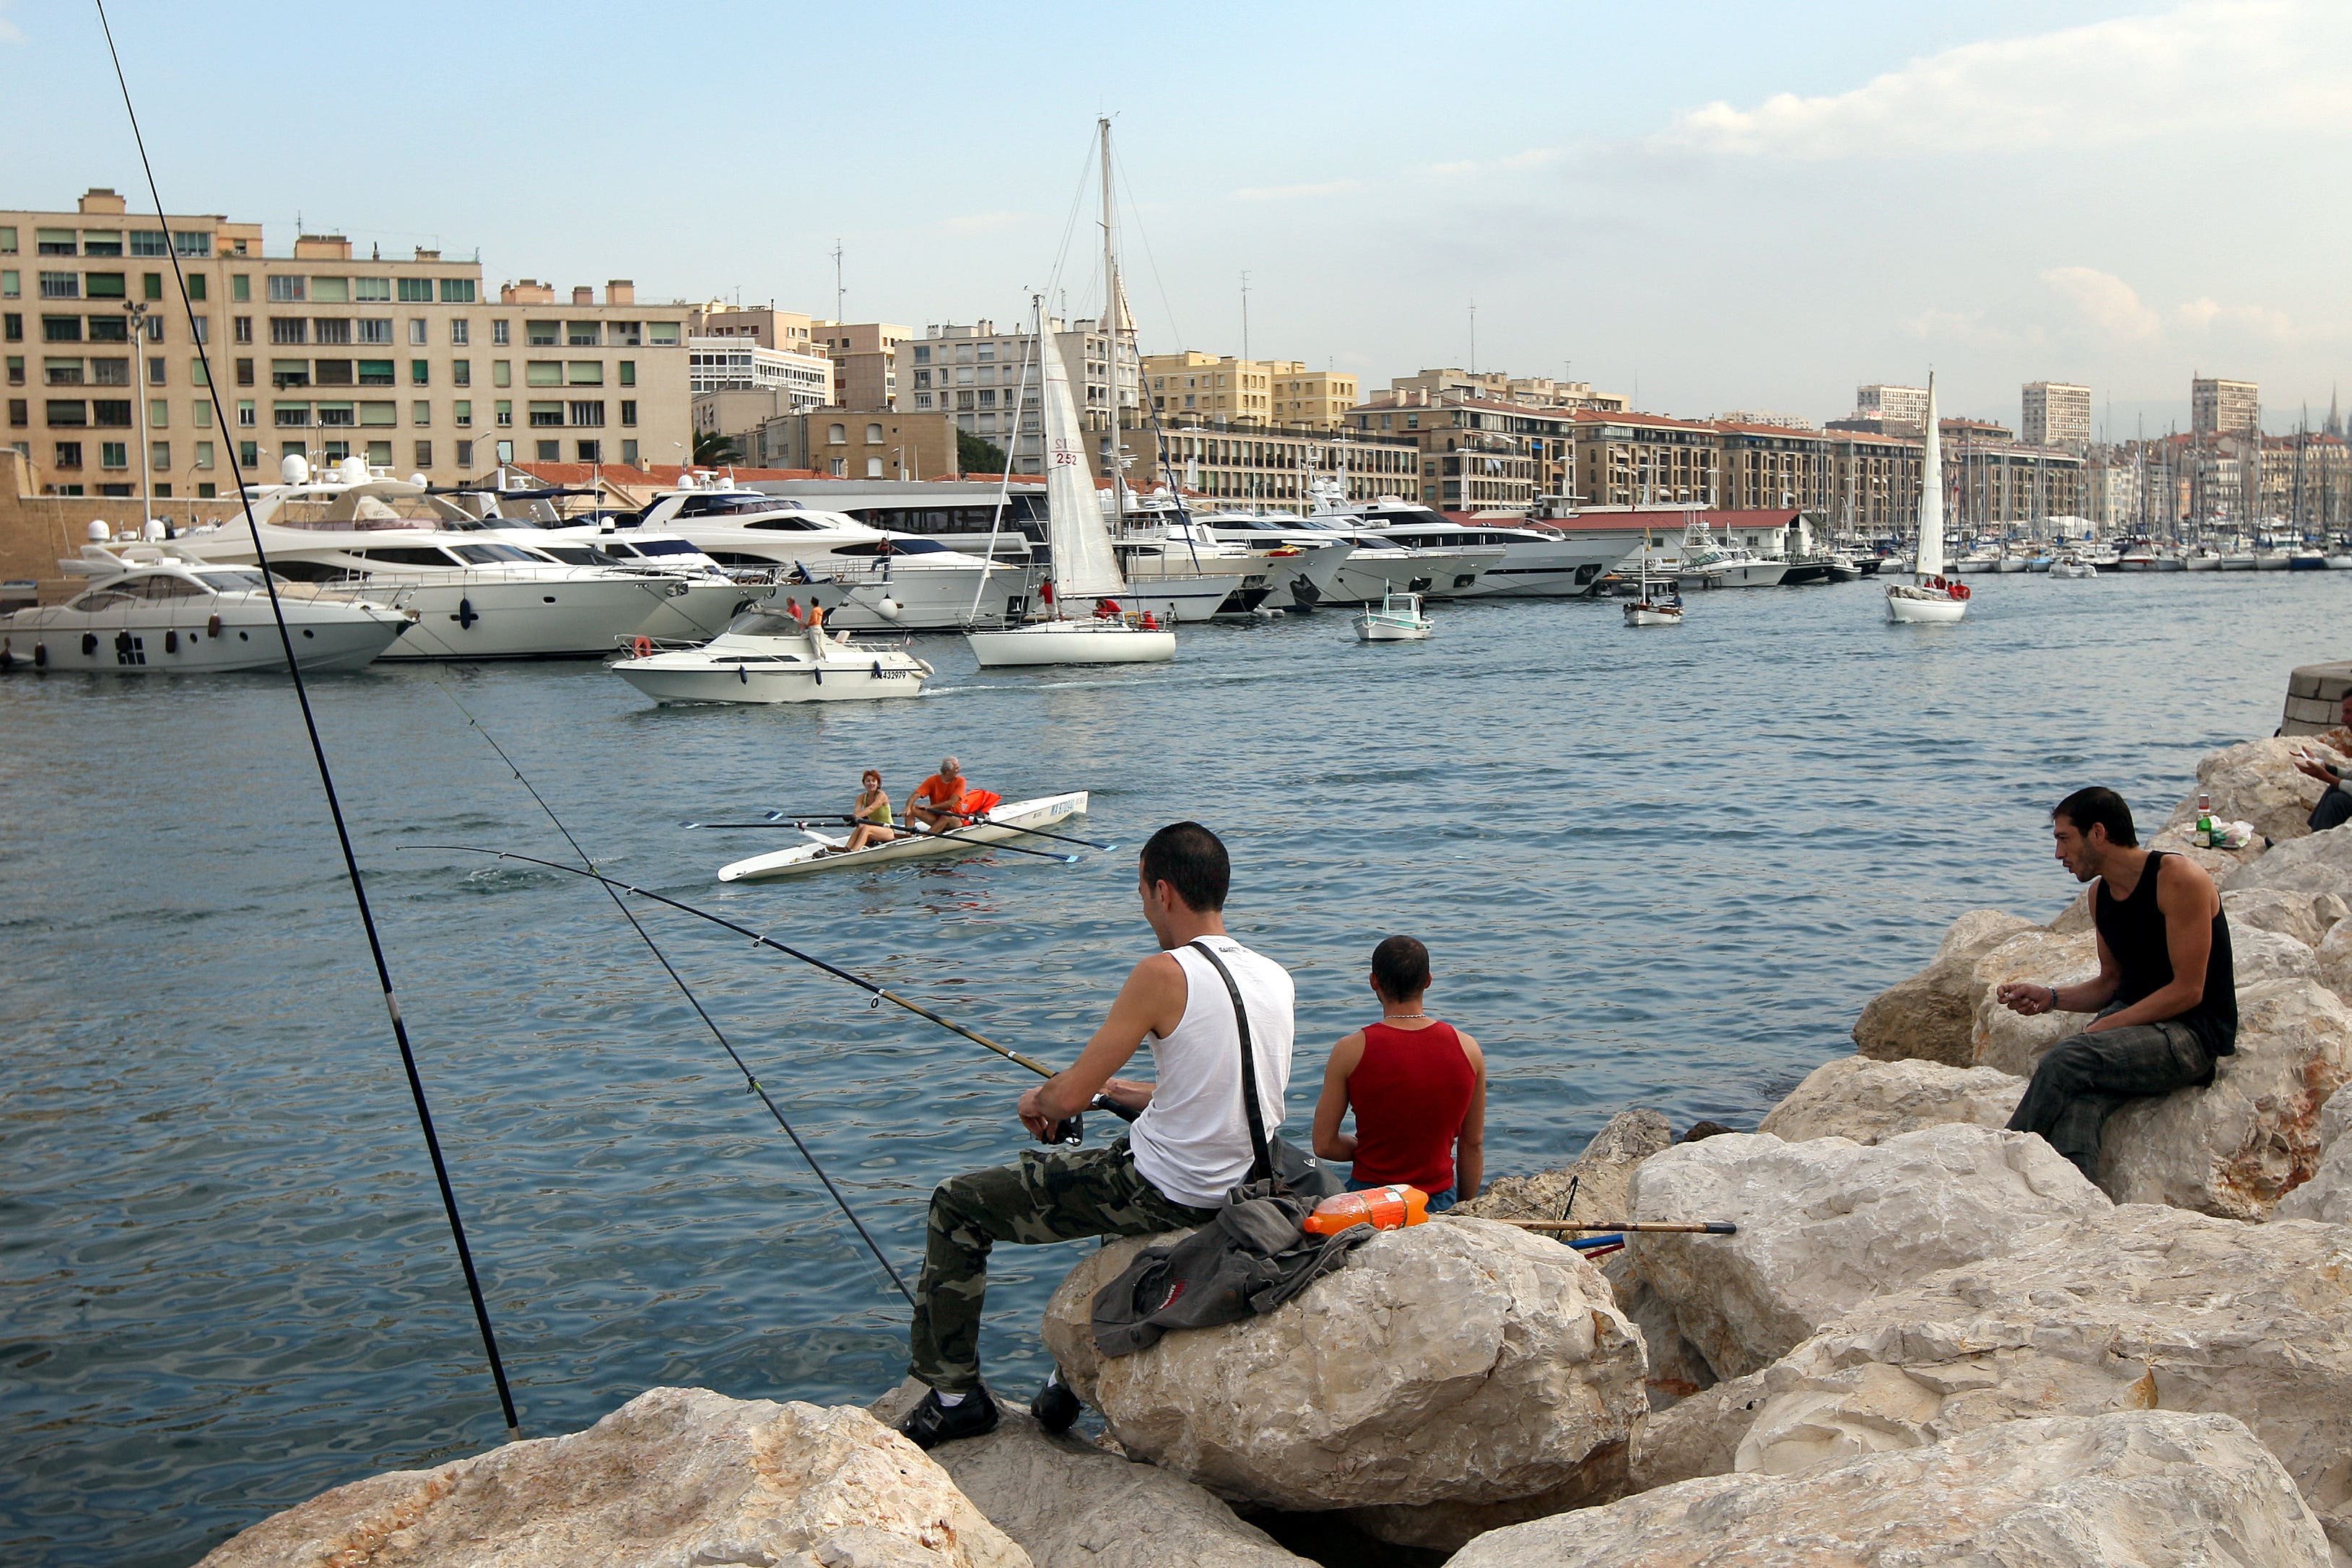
(1707, 208)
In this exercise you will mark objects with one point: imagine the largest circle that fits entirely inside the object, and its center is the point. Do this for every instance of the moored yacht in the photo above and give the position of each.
(166, 616)
(767, 656)
(1531, 563)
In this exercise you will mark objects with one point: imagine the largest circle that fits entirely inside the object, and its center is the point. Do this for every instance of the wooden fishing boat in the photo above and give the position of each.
(1002, 824)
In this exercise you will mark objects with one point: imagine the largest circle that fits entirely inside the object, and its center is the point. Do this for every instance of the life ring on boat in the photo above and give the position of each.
(641, 648)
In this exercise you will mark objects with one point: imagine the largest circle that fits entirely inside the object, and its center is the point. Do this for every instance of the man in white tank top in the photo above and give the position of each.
(1190, 1145)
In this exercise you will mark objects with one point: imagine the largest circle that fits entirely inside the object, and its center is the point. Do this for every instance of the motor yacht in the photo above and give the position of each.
(361, 533)
(167, 615)
(1284, 569)
(1364, 571)
(1534, 562)
(764, 655)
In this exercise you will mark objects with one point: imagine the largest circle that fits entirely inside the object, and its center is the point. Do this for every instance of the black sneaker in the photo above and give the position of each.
(1055, 1407)
(930, 1424)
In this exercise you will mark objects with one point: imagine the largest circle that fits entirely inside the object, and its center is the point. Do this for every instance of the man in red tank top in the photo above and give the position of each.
(1418, 1088)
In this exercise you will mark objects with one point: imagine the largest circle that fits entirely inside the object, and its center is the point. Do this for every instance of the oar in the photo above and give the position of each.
(1057, 838)
(772, 822)
(950, 836)
(1693, 1227)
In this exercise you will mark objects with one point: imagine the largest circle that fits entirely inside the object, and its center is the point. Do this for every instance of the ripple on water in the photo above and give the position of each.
(1663, 868)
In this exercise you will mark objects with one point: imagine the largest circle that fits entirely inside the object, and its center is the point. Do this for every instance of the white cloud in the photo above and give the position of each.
(2222, 66)
(1296, 193)
(2110, 306)
(9, 32)
(2207, 315)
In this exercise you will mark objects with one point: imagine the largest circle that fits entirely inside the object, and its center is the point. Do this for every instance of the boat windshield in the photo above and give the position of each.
(484, 554)
(665, 547)
(575, 555)
(762, 624)
(232, 581)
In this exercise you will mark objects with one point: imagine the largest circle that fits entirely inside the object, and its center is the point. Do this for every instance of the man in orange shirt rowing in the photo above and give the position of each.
(939, 802)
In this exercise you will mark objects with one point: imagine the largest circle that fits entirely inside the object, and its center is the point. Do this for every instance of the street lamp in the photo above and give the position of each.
(136, 311)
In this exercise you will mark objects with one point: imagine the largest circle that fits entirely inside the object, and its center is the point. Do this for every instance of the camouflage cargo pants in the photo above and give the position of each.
(1048, 1197)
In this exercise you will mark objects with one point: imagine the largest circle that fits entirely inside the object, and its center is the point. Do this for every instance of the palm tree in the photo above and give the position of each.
(711, 448)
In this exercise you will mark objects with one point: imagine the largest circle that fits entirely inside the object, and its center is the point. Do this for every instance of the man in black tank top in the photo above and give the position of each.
(2166, 994)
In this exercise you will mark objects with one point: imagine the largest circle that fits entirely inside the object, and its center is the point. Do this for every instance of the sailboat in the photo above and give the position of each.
(1928, 597)
(1653, 608)
(1089, 622)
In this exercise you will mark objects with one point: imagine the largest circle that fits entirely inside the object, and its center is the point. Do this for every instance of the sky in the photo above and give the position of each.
(1707, 206)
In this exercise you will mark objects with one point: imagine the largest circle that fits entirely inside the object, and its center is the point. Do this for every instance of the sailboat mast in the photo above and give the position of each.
(1110, 325)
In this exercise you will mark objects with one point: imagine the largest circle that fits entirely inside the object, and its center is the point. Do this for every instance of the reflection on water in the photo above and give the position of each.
(1664, 866)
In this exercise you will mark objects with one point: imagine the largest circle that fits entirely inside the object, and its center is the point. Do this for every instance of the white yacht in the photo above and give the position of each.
(1707, 562)
(169, 615)
(1536, 562)
(767, 656)
(359, 533)
(1278, 574)
(1370, 569)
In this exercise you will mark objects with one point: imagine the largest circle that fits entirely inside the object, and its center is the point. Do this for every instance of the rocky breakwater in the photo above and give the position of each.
(1455, 1375)
(675, 1475)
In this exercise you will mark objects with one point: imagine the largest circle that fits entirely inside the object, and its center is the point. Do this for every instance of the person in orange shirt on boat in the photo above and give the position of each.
(1417, 1085)
(937, 802)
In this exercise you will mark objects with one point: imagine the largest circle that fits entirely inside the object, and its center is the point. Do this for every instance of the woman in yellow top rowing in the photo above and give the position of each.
(872, 815)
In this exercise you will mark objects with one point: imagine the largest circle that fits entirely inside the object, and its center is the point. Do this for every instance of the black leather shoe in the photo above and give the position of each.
(930, 1424)
(1055, 1407)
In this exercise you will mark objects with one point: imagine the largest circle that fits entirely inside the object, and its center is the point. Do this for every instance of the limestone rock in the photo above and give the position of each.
(2150, 1487)
(2238, 1146)
(2335, 1119)
(2260, 956)
(1869, 1102)
(1825, 1223)
(1700, 1435)
(1600, 1175)
(1677, 1369)
(2255, 781)
(676, 1476)
(2076, 917)
(1928, 1015)
(2328, 1194)
(2147, 1307)
(1070, 1504)
(1461, 1360)
(2219, 863)
(2307, 917)
(2313, 863)
(2010, 1041)
(2333, 955)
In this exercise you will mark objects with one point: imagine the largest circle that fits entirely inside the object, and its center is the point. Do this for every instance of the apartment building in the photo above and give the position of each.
(1645, 459)
(1194, 386)
(1502, 386)
(1271, 466)
(1875, 482)
(1319, 398)
(1766, 467)
(844, 444)
(2222, 408)
(2055, 414)
(1894, 404)
(976, 373)
(865, 356)
(762, 324)
(406, 363)
(740, 365)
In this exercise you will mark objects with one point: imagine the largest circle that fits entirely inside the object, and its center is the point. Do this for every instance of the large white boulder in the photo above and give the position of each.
(1828, 1222)
(676, 1476)
(2313, 863)
(2307, 917)
(2254, 781)
(1928, 1015)
(2328, 1194)
(1869, 1102)
(2146, 1307)
(1598, 1177)
(2144, 1490)
(1458, 1361)
(2258, 956)
(1676, 1369)
(1071, 1504)
(2237, 1146)
(2011, 1042)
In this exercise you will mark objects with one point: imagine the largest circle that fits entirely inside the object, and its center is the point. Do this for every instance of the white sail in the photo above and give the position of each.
(1930, 563)
(1085, 566)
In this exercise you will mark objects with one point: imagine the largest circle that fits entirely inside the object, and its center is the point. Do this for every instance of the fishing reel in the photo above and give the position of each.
(1072, 1132)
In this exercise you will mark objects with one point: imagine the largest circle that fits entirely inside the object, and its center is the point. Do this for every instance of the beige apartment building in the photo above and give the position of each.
(1501, 387)
(407, 362)
(1194, 386)
(2222, 407)
(1321, 398)
(865, 357)
(1766, 467)
(2055, 414)
(1647, 460)
(762, 324)
(847, 444)
(977, 373)
(1271, 466)
(1896, 406)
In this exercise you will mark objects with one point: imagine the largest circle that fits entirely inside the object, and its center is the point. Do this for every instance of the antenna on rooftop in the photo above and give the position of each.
(1245, 317)
(1474, 337)
(837, 289)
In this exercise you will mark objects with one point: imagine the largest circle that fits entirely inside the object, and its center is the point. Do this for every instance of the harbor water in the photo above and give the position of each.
(1661, 866)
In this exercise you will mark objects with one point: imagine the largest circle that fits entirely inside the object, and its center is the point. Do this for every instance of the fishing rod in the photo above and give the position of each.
(751, 1082)
(1672, 1227)
(327, 782)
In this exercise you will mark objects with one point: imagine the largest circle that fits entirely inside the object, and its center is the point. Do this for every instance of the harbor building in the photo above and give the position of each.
(1873, 481)
(1645, 459)
(1501, 387)
(1892, 404)
(865, 356)
(851, 444)
(2055, 414)
(2217, 406)
(1192, 385)
(1477, 455)
(739, 364)
(1318, 399)
(1766, 467)
(1271, 466)
(762, 324)
(407, 362)
(974, 373)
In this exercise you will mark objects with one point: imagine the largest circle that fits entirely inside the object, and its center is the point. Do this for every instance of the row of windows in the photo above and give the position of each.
(110, 242)
(116, 455)
(288, 288)
(108, 413)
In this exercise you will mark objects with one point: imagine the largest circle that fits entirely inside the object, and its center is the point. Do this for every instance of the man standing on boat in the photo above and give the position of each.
(2166, 994)
(1188, 1148)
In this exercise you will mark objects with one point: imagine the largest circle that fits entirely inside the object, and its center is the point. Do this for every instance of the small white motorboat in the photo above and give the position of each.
(2073, 567)
(173, 616)
(767, 656)
(1003, 823)
(1400, 618)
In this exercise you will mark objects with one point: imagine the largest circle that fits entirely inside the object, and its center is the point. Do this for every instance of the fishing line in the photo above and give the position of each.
(326, 777)
(750, 1078)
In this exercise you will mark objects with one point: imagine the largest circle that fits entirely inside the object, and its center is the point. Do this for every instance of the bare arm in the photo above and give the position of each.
(2032, 999)
(2187, 897)
(1152, 1002)
(1470, 1143)
(1329, 1142)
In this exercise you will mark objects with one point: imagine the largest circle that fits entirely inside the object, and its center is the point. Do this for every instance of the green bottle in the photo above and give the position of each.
(2204, 822)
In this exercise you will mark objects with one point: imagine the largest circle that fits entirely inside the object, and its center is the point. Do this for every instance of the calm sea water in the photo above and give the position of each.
(1662, 867)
